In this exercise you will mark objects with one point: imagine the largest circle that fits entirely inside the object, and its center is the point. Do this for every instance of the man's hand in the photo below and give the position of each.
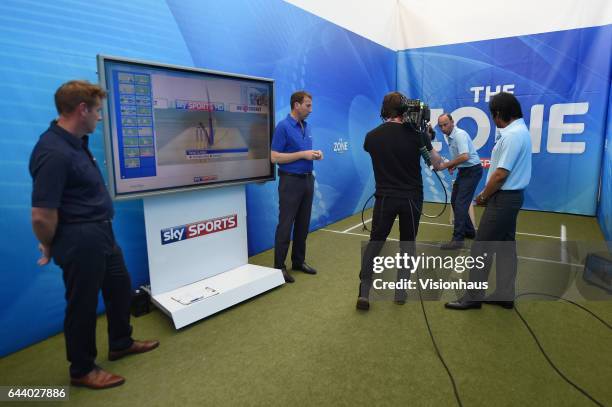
(493, 185)
(446, 164)
(45, 255)
(312, 155)
(44, 223)
(481, 200)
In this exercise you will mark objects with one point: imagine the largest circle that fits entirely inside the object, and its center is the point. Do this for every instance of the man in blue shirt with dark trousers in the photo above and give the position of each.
(509, 175)
(292, 151)
(466, 161)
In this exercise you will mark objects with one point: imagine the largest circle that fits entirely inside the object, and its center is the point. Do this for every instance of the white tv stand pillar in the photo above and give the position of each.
(185, 262)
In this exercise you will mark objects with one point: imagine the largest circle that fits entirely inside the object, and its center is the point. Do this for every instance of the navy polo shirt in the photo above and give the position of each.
(290, 138)
(66, 177)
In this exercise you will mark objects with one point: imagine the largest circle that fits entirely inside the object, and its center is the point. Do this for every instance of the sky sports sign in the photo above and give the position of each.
(199, 105)
(197, 229)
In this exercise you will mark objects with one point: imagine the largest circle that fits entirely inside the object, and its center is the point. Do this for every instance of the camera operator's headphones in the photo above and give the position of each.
(403, 108)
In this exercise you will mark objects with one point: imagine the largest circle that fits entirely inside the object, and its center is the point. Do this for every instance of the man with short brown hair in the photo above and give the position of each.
(292, 151)
(394, 148)
(71, 217)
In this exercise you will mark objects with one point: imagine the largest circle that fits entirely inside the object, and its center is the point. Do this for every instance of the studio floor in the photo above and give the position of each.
(304, 344)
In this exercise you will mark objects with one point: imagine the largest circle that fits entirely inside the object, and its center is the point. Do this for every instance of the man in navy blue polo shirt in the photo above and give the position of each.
(71, 217)
(292, 151)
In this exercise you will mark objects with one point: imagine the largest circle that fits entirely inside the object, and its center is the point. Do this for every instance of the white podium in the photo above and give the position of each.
(198, 255)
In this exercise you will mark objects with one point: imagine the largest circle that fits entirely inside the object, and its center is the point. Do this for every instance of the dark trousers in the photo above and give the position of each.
(461, 198)
(386, 209)
(295, 193)
(496, 237)
(92, 261)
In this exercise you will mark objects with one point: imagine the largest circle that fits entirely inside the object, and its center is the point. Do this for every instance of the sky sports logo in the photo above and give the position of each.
(197, 229)
(199, 105)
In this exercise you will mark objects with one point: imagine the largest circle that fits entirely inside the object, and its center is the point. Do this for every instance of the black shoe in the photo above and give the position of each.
(462, 305)
(287, 276)
(470, 235)
(363, 303)
(305, 268)
(452, 245)
(400, 297)
(503, 304)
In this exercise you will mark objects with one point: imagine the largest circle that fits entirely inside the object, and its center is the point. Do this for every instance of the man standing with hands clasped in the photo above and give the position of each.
(72, 218)
(292, 151)
(509, 175)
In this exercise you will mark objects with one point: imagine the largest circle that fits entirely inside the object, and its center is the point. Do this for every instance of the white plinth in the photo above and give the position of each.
(234, 286)
(188, 253)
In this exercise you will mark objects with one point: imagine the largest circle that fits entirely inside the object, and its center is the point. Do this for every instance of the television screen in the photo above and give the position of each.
(169, 128)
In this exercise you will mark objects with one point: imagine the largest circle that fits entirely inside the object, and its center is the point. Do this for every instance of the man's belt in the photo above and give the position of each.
(293, 174)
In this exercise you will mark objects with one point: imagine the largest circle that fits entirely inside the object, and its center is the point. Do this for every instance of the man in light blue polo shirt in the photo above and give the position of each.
(509, 174)
(466, 161)
(292, 151)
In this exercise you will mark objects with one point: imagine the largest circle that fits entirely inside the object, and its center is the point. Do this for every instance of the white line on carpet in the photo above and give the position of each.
(450, 226)
(433, 245)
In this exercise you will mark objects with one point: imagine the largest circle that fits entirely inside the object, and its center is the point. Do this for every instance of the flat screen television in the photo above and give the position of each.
(172, 128)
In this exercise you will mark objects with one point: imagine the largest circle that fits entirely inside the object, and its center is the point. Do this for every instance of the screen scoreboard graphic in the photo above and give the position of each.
(171, 128)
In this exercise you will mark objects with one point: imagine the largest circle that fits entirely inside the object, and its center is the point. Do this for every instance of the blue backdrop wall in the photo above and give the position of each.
(43, 44)
(604, 212)
(562, 81)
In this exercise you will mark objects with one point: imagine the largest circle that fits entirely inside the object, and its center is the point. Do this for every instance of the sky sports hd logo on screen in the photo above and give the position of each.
(197, 229)
(205, 106)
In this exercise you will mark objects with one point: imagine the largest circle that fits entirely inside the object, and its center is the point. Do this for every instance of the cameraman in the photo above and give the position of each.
(394, 149)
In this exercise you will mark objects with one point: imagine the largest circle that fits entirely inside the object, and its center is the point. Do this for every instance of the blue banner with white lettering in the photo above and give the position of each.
(562, 81)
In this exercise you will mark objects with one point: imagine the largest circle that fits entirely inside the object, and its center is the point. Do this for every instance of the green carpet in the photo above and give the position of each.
(305, 344)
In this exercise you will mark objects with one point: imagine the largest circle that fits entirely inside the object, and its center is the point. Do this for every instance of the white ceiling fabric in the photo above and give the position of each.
(407, 24)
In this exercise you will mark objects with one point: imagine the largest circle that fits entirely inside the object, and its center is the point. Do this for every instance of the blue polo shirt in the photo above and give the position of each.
(512, 151)
(66, 177)
(290, 138)
(459, 143)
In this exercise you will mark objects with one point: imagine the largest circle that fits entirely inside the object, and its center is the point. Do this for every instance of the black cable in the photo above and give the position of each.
(607, 325)
(433, 340)
(445, 199)
(580, 389)
(421, 212)
(363, 211)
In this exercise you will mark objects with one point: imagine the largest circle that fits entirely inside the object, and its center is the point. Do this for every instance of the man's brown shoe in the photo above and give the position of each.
(98, 379)
(137, 347)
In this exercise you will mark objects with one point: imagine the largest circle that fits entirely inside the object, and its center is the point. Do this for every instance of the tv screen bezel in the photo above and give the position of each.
(109, 138)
